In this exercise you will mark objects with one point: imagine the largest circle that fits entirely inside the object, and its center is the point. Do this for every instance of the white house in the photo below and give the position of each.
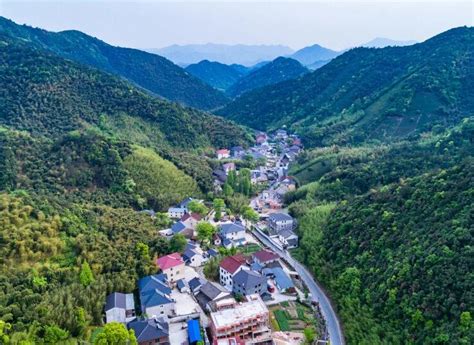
(232, 232)
(222, 154)
(119, 307)
(228, 267)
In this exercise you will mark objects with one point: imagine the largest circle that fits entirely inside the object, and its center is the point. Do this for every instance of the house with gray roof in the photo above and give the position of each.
(209, 293)
(282, 281)
(280, 221)
(247, 282)
(151, 331)
(288, 238)
(119, 307)
(155, 297)
(195, 284)
(232, 234)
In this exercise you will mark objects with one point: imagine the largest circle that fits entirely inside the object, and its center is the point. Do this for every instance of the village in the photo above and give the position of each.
(226, 286)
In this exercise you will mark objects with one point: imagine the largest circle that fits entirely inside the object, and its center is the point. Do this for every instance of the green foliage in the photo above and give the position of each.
(205, 231)
(54, 335)
(158, 181)
(282, 319)
(211, 269)
(86, 277)
(370, 94)
(396, 260)
(309, 335)
(216, 74)
(198, 207)
(178, 243)
(249, 214)
(149, 71)
(115, 333)
(273, 72)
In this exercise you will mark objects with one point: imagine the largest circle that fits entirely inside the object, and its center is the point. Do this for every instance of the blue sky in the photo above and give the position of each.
(154, 24)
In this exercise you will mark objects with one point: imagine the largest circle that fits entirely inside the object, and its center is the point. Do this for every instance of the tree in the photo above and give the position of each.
(249, 214)
(53, 334)
(218, 205)
(211, 269)
(228, 190)
(115, 333)
(205, 231)
(86, 276)
(178, 243)
(4, 328)
(197, 207)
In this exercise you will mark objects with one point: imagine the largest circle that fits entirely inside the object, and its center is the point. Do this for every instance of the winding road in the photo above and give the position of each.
(332, 322)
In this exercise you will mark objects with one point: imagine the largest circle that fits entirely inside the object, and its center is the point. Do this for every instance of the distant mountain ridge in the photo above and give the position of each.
(242, 54)
(216, 74)
(278, 70)
(370, 94)
(309, 55)
(382, 42)
(150, 71)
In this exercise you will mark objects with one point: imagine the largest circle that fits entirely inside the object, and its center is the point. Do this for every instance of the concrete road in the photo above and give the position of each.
(332, 322)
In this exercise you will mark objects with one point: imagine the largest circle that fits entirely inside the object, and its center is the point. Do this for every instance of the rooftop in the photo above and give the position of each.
(279, 217)
(232, 263)
(168, 261)
(265, 255)
(147, 330)
(244, 311)
(230, 227)
(120, 300)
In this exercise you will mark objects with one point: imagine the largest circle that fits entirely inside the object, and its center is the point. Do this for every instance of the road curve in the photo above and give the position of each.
(332, 322)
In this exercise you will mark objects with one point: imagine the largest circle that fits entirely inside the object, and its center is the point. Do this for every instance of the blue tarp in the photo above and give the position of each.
(194, 332)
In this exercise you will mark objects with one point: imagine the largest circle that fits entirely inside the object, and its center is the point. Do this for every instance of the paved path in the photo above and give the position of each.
(332, 322)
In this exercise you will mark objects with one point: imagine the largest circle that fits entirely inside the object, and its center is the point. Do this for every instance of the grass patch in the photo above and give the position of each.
(282, 319)
(250, 248)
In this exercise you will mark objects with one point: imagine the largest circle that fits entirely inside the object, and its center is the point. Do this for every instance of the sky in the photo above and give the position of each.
(158, 23)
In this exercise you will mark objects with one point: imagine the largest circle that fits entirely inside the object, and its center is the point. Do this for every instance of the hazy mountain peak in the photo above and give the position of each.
(242, 54)
(381, 42)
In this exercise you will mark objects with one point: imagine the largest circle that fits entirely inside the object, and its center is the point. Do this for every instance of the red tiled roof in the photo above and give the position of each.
(223, 151)
(189, 215)
(265, 255)
(232, 263)
(169, 261)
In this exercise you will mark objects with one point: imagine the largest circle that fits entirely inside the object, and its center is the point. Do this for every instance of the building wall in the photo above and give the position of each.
(225, 279)
(259, 289)
(115, 315)
(280, 225)
(175, 273)
(161, 310)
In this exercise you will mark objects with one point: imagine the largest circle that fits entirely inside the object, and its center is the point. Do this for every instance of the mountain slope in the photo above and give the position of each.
(48, 95)
(308, 55)
(387, 228)
(149, 71)
(216, 74)
(227, 54)
(274, 72)
(368, 94)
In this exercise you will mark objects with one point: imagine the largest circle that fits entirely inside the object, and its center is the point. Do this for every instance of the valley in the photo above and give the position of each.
(277, 196)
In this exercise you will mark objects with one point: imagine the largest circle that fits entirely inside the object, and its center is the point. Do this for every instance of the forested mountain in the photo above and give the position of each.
(216, 74)
(309, 55)
(242, 54)
(274, 72)
(368, 94)
(81, 153)
(388, 229)
(152, 72)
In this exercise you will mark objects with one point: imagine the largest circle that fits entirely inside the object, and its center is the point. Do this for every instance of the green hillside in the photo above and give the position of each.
(149, 71)
(274, 72)
(216, 74)
(370, 94)
(388, 230)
